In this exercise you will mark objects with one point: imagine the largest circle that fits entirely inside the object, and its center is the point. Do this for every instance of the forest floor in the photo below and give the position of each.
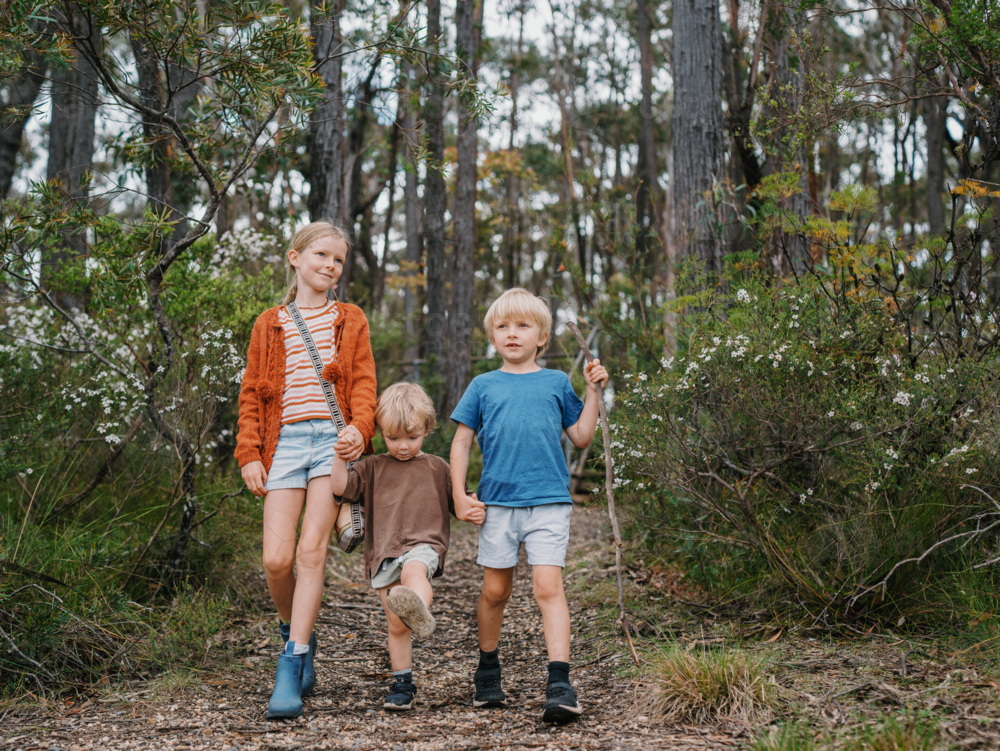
(833, 686)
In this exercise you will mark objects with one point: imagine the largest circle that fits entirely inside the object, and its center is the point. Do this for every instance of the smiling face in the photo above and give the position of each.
(406, 445)
(319, 265)
(517, 339)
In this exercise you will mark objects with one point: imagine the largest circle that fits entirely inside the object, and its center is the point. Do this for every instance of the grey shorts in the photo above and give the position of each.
(544, 530)
(391, 569)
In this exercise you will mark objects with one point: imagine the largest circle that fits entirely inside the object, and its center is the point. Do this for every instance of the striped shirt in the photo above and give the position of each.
(303, 398)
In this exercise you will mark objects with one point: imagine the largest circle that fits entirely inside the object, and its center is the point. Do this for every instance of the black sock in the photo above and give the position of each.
(403, 676)
(558, 672)
(489, 659)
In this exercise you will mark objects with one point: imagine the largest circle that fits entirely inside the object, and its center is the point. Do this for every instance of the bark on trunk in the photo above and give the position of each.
(20, 98)
(512, 228)
(71, 143)
(465, 213)
(645, 199)
(698, 126)
(435, 200)
(411, 201)
(935, 113)
(326, 123)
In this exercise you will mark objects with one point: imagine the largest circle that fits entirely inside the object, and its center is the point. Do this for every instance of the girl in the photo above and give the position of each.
(287, 440)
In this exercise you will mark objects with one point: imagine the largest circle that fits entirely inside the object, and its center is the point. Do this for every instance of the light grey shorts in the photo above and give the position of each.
(392, 568)
(544, 530)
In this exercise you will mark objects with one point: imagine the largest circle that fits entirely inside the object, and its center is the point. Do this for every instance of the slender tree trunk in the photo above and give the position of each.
(645, 200)
(71, 143)
(935, 113)
(460, 345)
(411, 201)
(698, 127)
(14, 115)
(512, 228)
(326, 122)
(435, 200)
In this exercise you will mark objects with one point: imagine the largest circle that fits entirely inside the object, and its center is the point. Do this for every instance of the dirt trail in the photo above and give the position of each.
(225, 711)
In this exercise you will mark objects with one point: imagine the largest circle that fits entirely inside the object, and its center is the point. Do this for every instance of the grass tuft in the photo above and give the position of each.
(703, 687)
(786, 738)
(900, 735)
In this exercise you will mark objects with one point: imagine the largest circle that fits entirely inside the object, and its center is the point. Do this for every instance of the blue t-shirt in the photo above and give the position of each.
(520, 418)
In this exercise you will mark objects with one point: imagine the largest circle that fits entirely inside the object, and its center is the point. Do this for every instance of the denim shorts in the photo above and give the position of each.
(305, 451)
(544, 530)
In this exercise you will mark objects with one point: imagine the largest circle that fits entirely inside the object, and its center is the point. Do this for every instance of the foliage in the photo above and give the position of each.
(700, 687)
(842, 430)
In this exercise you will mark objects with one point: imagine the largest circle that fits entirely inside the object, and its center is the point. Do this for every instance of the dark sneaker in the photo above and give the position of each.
(400, 696)
(561, 705)
(488, 691)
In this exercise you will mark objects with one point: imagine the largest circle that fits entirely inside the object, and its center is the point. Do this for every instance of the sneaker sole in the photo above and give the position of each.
(397, 707)
(561, 714)
(283, 715)
(410, 609)
(489, 703)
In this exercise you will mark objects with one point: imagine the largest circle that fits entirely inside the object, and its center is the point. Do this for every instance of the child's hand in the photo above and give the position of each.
(594, 373)
(350, 444)
(468, 508)
(254, 476)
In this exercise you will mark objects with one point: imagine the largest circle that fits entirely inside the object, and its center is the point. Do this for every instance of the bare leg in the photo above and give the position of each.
(497, 585)
(414, 576)
(551, 599)
(400, 646)
(310, 557)
(282, 509)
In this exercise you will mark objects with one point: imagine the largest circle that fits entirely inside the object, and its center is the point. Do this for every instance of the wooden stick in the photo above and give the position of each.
(609, 482)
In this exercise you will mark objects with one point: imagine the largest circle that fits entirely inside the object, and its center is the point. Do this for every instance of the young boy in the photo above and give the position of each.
(520, 412)
(407, 497)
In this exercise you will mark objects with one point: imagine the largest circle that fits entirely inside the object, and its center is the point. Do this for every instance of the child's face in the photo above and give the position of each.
(517, 339)
(404, 446)
(319, 264)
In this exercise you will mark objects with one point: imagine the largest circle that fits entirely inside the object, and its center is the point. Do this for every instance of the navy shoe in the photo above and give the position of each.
(285, 629)
(401, 695)
(286, 699)
(308, 668)
(488, 691)
(561, 704)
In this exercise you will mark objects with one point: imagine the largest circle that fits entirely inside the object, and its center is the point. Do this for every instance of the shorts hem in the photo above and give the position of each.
(560, 562)
(284, 485)
(492, 564)
(311, 476)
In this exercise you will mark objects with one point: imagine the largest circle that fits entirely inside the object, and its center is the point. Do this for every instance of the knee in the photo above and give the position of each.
(310, 554)
(548, 589)
(277, 566)
(397, 629)
(495, 594)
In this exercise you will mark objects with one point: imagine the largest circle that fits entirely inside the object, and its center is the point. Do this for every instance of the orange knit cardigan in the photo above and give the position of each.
(352, 374)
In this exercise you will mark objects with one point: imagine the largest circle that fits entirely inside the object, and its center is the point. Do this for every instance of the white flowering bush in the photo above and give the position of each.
(799, 427)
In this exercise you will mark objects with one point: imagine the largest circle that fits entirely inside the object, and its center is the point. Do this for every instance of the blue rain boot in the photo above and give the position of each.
(285, 629)
(308, 669)
(286, 699)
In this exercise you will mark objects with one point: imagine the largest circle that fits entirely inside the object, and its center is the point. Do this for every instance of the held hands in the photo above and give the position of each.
(254, 476)
(594, 373)
(350, 445)
(468, 508)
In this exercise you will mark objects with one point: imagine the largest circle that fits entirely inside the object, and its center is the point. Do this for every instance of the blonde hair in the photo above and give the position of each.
(519, 303)
(303, 239)
(405, 408)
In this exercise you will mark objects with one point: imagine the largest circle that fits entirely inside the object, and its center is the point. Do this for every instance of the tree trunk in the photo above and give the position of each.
(935, 114)
(645, 197)
(698, 126)
(512, 227)
(21, 94)
(326, 122)
(435, 200)
(411, 201)
(71, 145)
(460, 344)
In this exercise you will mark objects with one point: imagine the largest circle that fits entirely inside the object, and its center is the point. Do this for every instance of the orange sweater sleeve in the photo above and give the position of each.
(248, 442)
(364, 390)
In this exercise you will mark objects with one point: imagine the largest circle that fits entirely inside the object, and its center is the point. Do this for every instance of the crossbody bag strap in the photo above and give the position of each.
(317, 361)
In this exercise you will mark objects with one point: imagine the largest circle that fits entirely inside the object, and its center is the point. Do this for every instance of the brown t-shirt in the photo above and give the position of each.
(406, 504)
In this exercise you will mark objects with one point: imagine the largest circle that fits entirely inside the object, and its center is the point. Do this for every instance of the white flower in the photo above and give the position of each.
(742, 295)
(902, 398)
(971, 471)
(830, 413)
(642, 376)
(666, 363)
(29, 470)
